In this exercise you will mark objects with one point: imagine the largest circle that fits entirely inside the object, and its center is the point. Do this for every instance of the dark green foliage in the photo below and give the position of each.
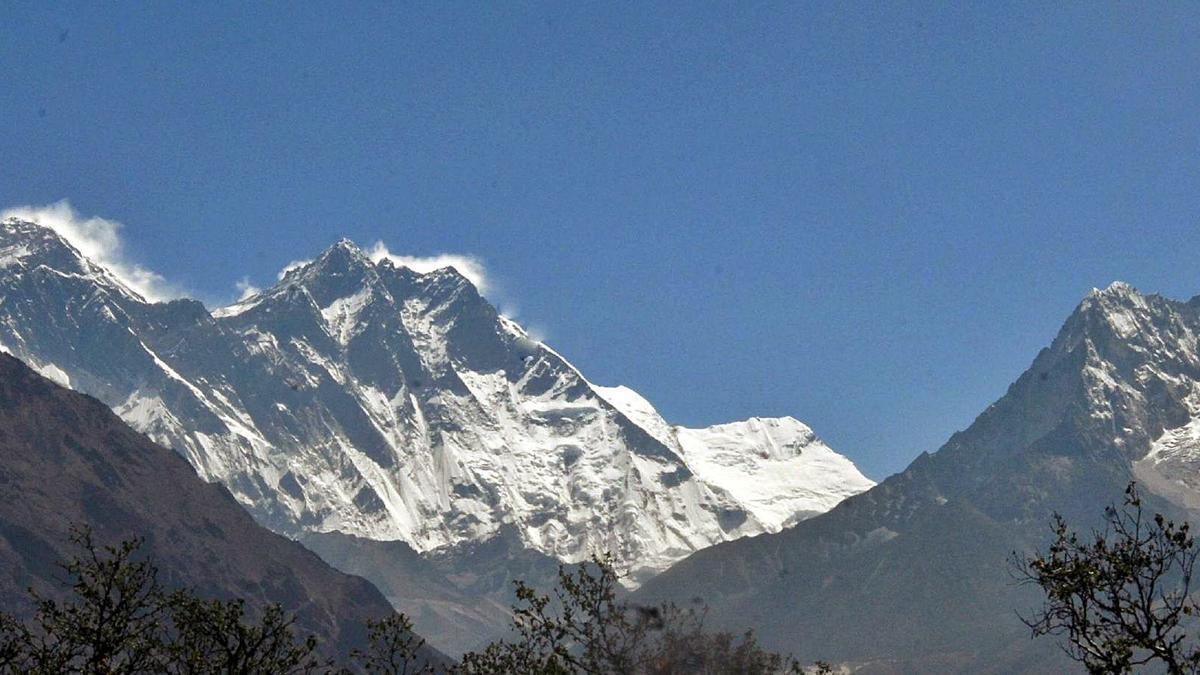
(13, 640)
(394, 648)
(113, 623)
(213, 637)
(582, 629)
(119, 620)
(1122, 597)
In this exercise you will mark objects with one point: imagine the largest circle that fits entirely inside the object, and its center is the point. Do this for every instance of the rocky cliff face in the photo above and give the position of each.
(366, 399)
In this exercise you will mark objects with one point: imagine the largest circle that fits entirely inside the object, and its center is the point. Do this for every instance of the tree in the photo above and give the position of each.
(1122, 597)
(13, 639)
(394, 648)
(213, 637)
(119, 620)
(112, 624)
(583, 629)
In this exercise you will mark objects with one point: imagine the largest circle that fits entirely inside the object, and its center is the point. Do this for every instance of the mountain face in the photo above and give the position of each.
(67, 460)
(363, 398)
(921, 558)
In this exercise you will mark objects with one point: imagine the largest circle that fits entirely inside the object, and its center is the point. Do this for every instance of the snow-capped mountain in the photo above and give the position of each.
(776, 468)
(922, 557)
(362, 397)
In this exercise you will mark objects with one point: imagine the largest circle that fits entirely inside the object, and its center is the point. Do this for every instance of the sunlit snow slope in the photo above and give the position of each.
(365, 398)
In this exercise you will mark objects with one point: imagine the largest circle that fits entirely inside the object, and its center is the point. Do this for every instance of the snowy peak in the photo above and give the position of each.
(777, 467)
(348, 247)
(344, 275)
(1116, 396)
(442, 288)
(1116, 318)
(342, 270)
(344, 257)
(14, 231)
(1117, 289)
(1119, 304)
(775, 438)
(362, 397)
(32, 247)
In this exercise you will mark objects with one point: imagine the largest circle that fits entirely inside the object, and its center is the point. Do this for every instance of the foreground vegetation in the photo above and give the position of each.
(1122, 597)
(118, 619)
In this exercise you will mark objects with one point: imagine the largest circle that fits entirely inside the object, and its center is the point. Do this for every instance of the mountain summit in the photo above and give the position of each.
(365, 398)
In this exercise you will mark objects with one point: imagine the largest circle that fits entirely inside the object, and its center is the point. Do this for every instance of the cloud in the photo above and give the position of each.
(291, 266)
(467, 265)
(246, 289)
(536, 333)
(98, 239)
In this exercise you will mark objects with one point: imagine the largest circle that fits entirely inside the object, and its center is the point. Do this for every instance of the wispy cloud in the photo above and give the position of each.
(99, 239)
(471, 267)
(246, 289)
(467, 265)
(291, 266)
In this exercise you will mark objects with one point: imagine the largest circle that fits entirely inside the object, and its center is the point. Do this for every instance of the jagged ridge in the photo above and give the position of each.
(364, 398)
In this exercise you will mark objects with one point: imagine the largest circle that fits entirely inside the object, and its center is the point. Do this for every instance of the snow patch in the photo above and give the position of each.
(52, 372)
(1171, 468)
(237, 308)
(341, 316)
(12, 255)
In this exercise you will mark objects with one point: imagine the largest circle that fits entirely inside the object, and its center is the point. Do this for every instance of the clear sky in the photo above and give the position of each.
(868, 218)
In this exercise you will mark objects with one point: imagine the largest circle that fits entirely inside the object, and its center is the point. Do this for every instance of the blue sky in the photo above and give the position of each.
(868, 217)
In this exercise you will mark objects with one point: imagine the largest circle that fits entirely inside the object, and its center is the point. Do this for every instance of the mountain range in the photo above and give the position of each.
(399, 426)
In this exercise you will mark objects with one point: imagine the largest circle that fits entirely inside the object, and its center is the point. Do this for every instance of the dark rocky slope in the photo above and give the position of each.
(66, 459)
